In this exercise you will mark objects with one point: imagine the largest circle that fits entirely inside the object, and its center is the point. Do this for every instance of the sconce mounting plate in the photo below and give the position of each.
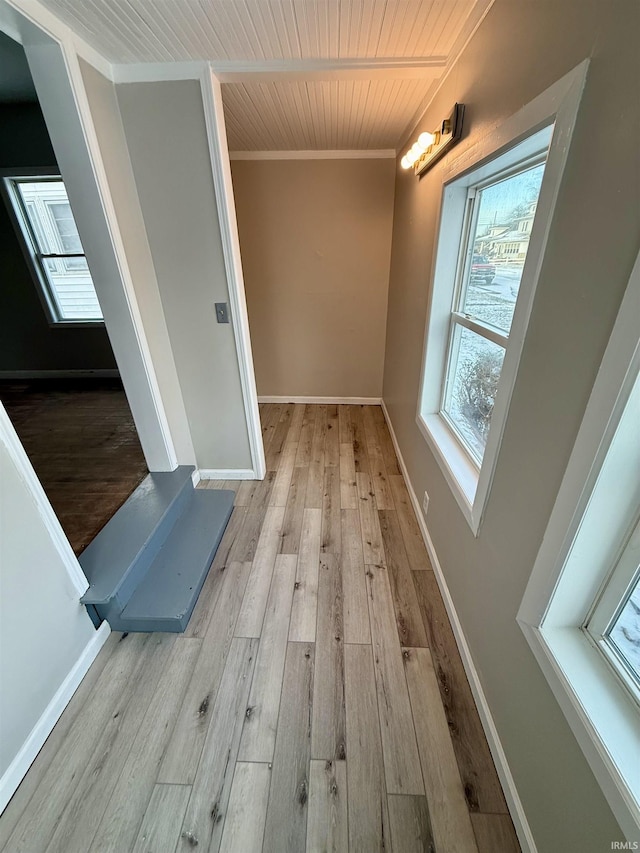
(447, 135)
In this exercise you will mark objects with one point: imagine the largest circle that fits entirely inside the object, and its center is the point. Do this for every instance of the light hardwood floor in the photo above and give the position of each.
(316, 702)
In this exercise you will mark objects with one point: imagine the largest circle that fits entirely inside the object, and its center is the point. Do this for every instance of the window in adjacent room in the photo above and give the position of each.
(53, 248)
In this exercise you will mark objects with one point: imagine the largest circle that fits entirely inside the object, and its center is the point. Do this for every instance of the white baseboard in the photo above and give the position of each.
(42, 729)
(224, 474)
(512, 797)
(195, 477)
(330, 401)
(59, 374)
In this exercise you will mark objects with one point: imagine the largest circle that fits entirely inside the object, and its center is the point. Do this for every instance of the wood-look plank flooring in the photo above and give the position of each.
(80, 438)
(316, 702)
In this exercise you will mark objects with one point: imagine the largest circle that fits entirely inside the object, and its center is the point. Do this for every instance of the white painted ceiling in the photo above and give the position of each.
(297, 74)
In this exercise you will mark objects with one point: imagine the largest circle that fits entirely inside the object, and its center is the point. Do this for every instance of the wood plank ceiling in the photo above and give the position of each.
(297, 74)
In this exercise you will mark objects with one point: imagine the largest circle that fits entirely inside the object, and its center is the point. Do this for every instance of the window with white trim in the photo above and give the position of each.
(487, 281)
(581, 609)
(52, 247)
(614, 624)
(495, 217)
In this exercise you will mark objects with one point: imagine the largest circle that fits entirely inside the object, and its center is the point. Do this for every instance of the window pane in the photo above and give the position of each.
(499, 245)
(66, 227)
(69, 281)
(37, 197)
(624, 635)
(474, 372)
(73, 289)
(36, 225)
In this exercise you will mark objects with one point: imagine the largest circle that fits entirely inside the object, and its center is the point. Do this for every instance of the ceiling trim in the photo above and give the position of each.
(331, 69)
(280, 71)
(338, 154)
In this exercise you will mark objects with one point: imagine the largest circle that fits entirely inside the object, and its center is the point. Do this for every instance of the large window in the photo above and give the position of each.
(495, 216)
(52, 246)
(493, 252)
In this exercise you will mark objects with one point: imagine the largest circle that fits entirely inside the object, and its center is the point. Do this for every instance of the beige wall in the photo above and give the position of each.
(315, 237)
(519, 50)
(166, 136)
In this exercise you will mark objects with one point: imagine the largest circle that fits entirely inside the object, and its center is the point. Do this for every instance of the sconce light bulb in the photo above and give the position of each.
(416, 150)
(406, 162)
(425, 140)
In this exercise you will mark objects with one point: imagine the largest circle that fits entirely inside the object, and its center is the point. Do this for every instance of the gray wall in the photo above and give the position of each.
(315, 237)
(518, 51)
(27, 341)
(107, 122)
(166, 136)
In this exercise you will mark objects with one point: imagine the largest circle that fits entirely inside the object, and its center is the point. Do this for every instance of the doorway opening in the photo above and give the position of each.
(59, 381)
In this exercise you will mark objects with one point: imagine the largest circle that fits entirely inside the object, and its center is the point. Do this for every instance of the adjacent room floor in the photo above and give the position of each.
(81, 440)
(317, 700)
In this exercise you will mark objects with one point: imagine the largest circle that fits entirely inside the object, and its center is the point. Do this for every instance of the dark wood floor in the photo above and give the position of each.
(83, 445)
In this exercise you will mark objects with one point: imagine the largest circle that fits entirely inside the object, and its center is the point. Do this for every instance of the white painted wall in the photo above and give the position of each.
(47, 640)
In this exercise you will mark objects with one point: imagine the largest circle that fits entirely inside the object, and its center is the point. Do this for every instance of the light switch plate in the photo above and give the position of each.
(222, 312)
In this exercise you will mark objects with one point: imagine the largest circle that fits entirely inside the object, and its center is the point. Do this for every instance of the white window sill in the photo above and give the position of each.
(459, 471)
(602, 718)
(76, 324)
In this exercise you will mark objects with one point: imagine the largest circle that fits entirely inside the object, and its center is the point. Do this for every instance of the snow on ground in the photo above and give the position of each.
(626, 632)
(494, 304)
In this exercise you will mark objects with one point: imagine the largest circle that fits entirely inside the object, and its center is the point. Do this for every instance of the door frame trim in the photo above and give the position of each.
(225, 202)
(73, 47)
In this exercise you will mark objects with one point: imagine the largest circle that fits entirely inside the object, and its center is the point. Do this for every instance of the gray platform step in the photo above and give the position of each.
(147, 565)
(120, 555)
(165, 598)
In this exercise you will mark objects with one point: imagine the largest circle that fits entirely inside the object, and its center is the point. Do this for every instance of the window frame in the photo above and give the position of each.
(556, 108)
(28, 239)
(574, 565)
(617, 590)
(458, 320)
